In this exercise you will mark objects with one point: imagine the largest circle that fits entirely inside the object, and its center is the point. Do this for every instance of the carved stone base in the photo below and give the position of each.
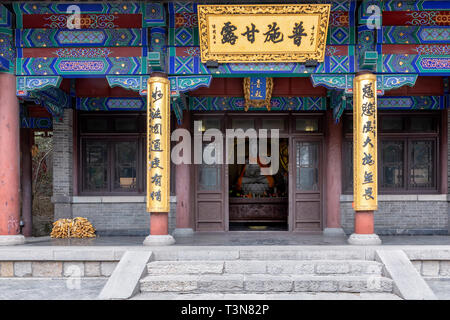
(364, 239)
(12, 240)
(159, 240)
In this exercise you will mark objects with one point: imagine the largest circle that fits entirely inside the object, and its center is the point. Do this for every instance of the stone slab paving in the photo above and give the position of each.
(241, 239)
(50, 289)
(416, 240)
(211, 253)
(268, 296)
(440, 287)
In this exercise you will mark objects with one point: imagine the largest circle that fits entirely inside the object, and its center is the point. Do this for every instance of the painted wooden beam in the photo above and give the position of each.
(345, 82)
(35, 83)
(407, 103)
(178, 84)
(53, 99)
(7, 53)
(238, 104)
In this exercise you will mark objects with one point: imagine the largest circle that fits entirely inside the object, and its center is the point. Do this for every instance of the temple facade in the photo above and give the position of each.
(80, 70)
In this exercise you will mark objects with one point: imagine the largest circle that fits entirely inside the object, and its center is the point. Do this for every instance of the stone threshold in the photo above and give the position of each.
(403, 197)
(115, 253)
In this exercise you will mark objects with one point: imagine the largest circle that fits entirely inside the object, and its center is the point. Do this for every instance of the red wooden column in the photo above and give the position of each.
(26, 181)
(159, 224)
(9, 162)
(183, 189)
(333, 175)
(364, 222)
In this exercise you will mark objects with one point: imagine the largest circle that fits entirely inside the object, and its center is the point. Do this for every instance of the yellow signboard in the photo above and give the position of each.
(158, 144)
(263, 33)
(365, 142)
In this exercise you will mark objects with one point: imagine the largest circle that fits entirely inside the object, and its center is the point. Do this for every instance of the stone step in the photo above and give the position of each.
(185, 267)
(238, 283)
(289, 267)
(308, 254)
(264, 253)
(304, 267)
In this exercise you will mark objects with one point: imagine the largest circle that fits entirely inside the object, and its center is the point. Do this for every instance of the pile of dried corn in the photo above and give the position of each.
(73, 228)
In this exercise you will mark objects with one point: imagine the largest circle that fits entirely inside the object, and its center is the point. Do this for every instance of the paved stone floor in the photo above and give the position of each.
(441, 288)
(60, 289)
(50, 289)
(269, 296)
(241, 239)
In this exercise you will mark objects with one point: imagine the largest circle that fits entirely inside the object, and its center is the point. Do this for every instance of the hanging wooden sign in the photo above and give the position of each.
(158, 145)
(365, 142)
(263, 33)
(257, 92)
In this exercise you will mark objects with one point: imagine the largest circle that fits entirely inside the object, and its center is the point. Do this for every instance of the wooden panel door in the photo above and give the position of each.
(210, 186)
(306, 187)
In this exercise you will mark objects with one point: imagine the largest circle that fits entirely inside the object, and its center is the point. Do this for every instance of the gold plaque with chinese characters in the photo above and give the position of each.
(263, 33)
(158, 144)
(365, 142)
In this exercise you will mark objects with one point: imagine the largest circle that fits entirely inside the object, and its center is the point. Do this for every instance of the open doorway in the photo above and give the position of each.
(259, 202)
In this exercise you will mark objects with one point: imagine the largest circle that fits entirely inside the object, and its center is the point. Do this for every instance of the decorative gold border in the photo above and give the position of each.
(257, 103)
(204, 10)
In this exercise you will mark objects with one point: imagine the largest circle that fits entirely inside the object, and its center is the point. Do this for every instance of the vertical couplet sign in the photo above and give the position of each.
(365, 142)
(158, 144)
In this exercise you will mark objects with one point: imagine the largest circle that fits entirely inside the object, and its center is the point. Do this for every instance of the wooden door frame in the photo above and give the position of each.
(226, 197)
(305, 138)
(292, 136)
(223, 193)
(223, 176)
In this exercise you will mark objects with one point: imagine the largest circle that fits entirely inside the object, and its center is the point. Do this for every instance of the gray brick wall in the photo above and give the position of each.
(119, 219)
(63, 165)
(403, 217)
(115, 218)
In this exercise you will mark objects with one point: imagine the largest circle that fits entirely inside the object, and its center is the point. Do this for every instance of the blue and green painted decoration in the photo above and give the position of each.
(170, 43)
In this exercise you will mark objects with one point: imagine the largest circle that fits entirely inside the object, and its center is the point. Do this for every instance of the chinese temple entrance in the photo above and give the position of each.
(235, 196)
